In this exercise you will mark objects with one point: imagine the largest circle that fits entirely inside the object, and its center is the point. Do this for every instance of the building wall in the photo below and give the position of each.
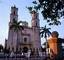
(16, 39)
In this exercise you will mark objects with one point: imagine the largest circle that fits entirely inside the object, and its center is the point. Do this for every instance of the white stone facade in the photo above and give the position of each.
(29, 37)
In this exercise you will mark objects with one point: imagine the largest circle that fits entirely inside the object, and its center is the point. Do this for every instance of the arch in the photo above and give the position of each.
(25, 49)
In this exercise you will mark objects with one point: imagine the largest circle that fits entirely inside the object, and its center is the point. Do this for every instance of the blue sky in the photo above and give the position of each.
(24, 15)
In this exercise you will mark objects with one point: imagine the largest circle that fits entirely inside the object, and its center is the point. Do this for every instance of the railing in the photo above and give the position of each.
(23, 57)
(19, 57)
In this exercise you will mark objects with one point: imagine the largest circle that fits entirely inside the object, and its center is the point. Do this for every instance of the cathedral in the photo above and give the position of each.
(27, 38)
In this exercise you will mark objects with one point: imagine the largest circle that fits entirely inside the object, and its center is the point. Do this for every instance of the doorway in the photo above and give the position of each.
(25, 49)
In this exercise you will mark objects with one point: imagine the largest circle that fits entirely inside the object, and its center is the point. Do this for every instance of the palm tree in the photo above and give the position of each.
(16, 26)
(45, 33)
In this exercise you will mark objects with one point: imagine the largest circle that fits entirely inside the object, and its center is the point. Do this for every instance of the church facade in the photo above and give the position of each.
(28, 38)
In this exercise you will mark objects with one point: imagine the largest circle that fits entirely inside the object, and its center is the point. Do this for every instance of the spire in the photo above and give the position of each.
(14, 6)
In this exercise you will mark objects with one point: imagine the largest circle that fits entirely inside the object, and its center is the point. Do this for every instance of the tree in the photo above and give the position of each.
(6, 50)
(1, 48)
(51, 10)
(16, 26)
(45, 33)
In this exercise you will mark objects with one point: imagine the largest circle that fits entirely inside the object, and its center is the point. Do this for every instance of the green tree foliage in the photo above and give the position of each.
(16, 25)
(51, 10)
(6, 50)
(1, 48)
(45, 32)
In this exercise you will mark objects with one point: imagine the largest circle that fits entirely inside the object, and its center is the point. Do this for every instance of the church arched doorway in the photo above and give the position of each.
(25, 49)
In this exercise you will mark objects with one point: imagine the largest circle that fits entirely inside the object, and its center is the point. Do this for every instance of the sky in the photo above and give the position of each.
(24, 15)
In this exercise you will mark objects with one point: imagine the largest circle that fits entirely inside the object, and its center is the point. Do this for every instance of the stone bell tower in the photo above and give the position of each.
(12, 36)
(35, 19)
(36, 31)
(14, 14)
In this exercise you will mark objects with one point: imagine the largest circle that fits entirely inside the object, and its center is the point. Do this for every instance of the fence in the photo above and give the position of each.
(19, 57)
(41, 58)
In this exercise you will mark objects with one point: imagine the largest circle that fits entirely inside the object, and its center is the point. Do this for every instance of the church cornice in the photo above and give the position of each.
(25, 34)
(27, 27)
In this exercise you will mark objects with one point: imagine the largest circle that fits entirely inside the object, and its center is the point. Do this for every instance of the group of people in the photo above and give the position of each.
(54, 45)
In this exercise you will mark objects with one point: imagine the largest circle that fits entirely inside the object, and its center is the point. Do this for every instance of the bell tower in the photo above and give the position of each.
(12, 36)
(13, 14)
(36, 31)
(35, 19)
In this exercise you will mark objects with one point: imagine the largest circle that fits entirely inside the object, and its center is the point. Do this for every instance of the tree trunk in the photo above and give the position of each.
(46, 46)
(17, 42)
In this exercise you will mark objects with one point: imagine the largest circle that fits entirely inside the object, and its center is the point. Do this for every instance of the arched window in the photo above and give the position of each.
(25, 39)
(14, 12)
(13, 18)
(36, 23)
